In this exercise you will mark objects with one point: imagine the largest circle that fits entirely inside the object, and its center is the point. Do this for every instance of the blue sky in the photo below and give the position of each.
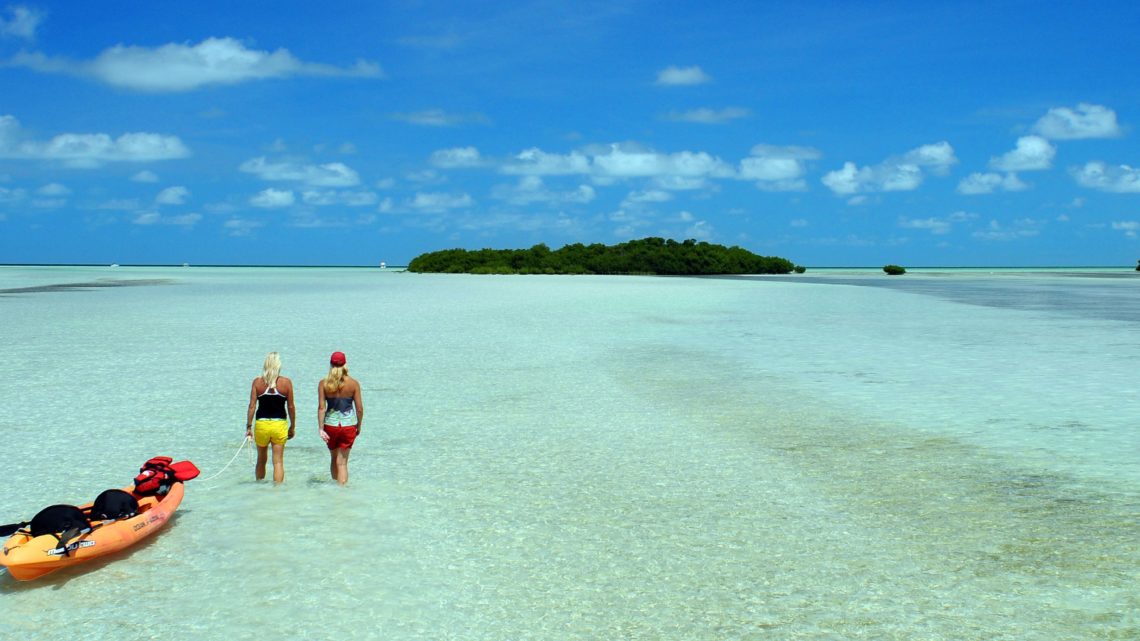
(350, 133)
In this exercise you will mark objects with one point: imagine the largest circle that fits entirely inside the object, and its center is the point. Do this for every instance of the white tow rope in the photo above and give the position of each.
(232, 459)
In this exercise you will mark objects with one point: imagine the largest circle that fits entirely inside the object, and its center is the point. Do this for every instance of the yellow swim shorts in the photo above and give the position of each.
(270, 430)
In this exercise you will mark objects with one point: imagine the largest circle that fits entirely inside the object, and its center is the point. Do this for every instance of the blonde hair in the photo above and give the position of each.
(271, 369)
(335, 378)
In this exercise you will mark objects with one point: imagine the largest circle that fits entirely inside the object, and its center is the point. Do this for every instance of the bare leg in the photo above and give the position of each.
(332, 463)
(341, 458)
(278, 463)
(262, 457)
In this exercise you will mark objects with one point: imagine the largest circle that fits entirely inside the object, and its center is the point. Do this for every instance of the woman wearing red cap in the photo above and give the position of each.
(340, 415)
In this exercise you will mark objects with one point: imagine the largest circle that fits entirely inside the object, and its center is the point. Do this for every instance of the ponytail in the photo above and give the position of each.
(335, 378)
(271, 369)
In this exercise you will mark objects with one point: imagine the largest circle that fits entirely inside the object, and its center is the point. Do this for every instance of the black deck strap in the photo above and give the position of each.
(68, 535)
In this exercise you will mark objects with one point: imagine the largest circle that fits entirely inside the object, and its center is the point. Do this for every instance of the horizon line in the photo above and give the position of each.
(330, 266)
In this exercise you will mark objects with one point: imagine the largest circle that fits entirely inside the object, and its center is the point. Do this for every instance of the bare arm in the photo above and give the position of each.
(359, 408)
(292, 408)
(321, 412)
(252, 408)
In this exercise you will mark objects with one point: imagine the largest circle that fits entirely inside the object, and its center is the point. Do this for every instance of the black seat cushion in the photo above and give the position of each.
(114, 504)
(57, 518)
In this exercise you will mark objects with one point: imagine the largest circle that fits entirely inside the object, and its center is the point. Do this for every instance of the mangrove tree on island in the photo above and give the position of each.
(656, 256)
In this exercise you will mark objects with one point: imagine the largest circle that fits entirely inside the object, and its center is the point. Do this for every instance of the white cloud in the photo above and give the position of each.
(172, 196)
(48, 203)
(183, 219)
(706, 116)
(699, 230)
(145, 176)
(681, 170)
(536, 162)
(440, 118)
(88, 150)
(939, 157)
(241, 226)
(674, 76)
(789, 151)
(119, 204)
(19, 22)
(1032, 153)
(988, 183)
(425, 177)
(273, 198)
(154, 218)
(620, 162)
(437, 203)
(936, 226)
(12, 195)
(650, 196)
(310, 220)
(1084, 121)
(85, 149)
(53, 189)
(680, 183)
(903, 173)
(333, 174)
(457, 157)
(183, 67)
(1121, 179)
(531, 189)
(1131, 228)
(777, 168)
(1023, 228)
(848, 180)
(333, 197)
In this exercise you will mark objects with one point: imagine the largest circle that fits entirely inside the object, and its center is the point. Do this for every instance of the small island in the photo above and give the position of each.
(648, 256)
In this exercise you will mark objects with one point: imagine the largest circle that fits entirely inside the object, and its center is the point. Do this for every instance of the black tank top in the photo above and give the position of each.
(271, 404)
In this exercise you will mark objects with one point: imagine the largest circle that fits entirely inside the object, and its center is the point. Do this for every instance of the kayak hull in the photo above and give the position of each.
(28, 557)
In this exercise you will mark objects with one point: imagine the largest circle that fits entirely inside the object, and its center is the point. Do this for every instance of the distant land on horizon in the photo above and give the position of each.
(397, 267)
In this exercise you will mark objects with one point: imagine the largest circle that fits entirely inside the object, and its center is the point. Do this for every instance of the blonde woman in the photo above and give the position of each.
(339, 415)
(271, 403)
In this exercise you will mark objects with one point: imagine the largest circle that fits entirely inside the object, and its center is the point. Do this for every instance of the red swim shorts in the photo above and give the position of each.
(341, 436)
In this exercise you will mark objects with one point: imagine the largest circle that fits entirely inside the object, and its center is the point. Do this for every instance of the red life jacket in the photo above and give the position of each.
(160, 472)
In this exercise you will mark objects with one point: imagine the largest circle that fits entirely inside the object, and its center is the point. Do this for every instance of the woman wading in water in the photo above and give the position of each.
(339, 415)
(271, 403)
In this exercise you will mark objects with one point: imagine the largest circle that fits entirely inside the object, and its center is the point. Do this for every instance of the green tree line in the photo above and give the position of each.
(646, 256)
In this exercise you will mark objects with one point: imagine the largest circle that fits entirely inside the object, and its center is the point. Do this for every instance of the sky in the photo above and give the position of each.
(355, 133)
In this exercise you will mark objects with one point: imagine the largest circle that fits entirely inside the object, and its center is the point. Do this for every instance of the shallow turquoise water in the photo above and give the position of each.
(592, 457)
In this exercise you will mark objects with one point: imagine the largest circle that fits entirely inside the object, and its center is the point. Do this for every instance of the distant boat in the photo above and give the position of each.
(114, 264)
(185, 264)
(383, 265)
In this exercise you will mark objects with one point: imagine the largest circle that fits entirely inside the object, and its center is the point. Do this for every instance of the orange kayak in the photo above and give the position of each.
(28, 557)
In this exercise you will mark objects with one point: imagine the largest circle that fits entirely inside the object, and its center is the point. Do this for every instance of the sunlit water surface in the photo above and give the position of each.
(825, 456)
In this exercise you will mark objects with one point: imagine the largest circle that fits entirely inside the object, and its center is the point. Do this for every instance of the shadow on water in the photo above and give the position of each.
(1098, 296)
(85, 286)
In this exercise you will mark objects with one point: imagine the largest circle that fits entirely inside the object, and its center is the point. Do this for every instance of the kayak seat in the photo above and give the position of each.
(58, 518)
(114, 504)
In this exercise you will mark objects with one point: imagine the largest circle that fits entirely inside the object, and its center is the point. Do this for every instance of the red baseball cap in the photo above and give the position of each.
(337, 359)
